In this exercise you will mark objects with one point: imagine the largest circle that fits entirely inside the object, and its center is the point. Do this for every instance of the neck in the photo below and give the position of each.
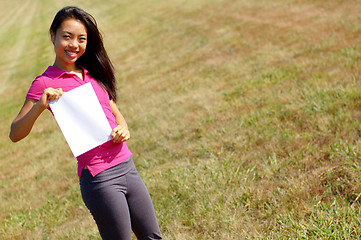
(66, 67)
(70, 69)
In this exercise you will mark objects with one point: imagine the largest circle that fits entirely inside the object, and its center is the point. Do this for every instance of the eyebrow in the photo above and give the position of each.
(72, 33)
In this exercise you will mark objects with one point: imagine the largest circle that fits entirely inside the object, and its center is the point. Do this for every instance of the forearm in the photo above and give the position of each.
(119, 119)
(120, 133)
(22, 125)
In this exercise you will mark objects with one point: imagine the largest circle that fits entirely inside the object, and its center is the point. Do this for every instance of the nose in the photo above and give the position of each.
(73, 43)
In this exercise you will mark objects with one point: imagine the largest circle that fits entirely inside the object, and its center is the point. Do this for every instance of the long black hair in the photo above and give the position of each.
(95, 59)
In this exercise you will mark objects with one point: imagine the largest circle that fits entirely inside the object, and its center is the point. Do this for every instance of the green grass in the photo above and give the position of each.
(244, 117)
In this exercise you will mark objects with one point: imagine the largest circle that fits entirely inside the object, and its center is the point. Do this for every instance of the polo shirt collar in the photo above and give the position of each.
(54, 72)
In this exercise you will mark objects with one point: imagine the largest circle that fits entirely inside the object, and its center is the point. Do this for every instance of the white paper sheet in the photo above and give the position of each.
(81, 119)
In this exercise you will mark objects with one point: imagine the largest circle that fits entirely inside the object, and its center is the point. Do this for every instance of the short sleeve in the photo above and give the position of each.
(36, 89)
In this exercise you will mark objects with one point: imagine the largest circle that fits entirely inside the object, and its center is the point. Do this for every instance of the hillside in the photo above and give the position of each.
(244, 116)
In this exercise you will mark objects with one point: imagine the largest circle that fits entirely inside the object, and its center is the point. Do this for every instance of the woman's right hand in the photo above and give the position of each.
(49, 95)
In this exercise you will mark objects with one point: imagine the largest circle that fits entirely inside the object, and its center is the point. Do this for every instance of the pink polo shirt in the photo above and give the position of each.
(104, 156)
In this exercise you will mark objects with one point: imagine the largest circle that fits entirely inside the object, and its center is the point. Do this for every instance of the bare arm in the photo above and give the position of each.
(120, 133)
(23, 123)
(31, 110)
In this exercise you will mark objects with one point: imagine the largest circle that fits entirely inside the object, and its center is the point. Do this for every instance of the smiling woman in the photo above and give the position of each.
(111, 186)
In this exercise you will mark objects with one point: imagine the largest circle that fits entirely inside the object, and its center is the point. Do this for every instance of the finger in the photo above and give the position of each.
(120, 137)
(120, 134)
(60, 91)
(114, 131)
(117, 138)
(50, 97)
(125, 136)
(54, 95)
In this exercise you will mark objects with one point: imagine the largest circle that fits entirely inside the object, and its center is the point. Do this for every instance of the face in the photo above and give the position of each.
(69, 41)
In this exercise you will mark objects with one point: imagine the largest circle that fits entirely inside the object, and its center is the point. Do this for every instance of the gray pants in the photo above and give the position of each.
(119, 202)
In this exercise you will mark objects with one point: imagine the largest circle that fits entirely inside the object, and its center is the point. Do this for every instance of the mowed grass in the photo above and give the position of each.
(244, 116)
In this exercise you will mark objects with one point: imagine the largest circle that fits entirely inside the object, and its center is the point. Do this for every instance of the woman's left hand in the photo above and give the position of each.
(120, 134)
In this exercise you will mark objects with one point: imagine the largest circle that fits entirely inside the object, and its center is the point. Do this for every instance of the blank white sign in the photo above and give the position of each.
(81, 119)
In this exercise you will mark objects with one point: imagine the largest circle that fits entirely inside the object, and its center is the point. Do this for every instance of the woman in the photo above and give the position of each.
(110, 184)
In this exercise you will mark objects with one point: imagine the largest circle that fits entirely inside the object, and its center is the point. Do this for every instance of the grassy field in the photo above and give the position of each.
(244, 115)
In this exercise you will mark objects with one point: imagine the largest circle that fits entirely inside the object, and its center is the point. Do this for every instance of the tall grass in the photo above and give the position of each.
(244, 115)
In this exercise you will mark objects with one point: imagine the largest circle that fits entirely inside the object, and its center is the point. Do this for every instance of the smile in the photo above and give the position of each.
(71, 53)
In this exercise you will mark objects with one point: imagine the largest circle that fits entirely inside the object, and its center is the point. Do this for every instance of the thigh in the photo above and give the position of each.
(107, 203)
(142, 214)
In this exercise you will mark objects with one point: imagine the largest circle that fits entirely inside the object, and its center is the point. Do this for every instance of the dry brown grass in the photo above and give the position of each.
(244, 116)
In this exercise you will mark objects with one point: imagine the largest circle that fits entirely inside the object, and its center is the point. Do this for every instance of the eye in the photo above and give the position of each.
(82, 39)
(66, 36)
